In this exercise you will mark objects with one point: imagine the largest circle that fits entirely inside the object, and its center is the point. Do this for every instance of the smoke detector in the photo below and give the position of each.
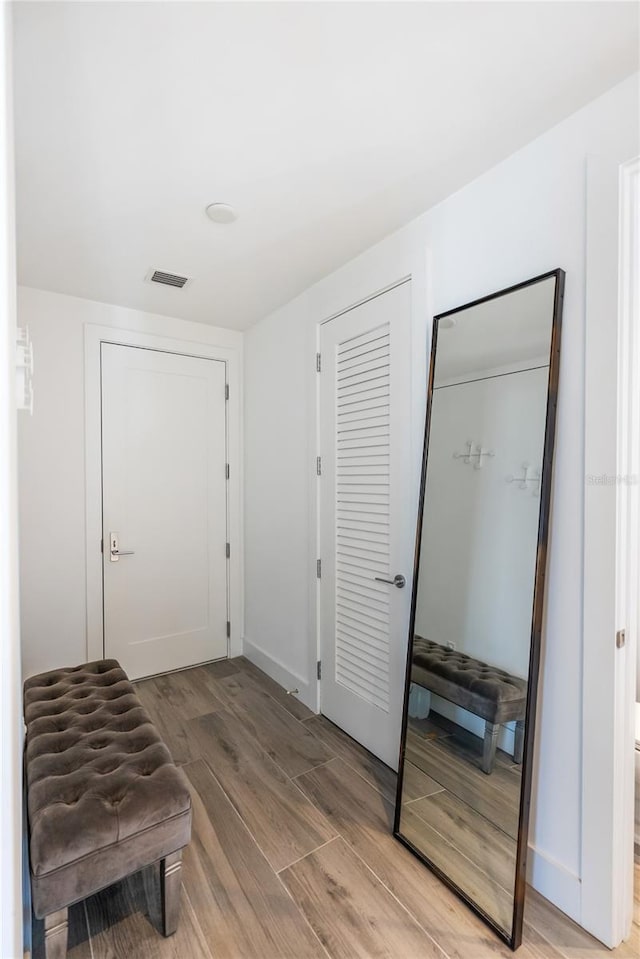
(221, 213)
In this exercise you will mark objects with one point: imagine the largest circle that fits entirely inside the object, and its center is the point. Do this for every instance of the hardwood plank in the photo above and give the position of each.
(450, 762)
(211, 675)
(376, 773)
(124, 921)
(224, 667)
(538, 946)
(288, 702)
(351, 911)
(213, 682)
(223, 682)
(380, 776)
(187, 693)
(364, 818)
(631, 948)
(173, 730)
(417, 785)
(244, 908)
(571, 940)
(437, 726)
(481, 888)
(487, 847)
(78, 946)
(432, 727)
(285, 824)
(285, 739)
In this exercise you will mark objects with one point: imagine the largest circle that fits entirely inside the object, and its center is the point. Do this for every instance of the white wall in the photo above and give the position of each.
(10, 680)
(52, 467)
(480, 533)
(276, 458)
(522, 218)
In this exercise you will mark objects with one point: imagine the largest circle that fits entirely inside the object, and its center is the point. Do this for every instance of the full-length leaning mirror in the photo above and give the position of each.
(464, 782)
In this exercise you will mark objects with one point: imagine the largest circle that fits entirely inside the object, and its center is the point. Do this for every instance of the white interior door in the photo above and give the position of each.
(366, 531)
(164, 509)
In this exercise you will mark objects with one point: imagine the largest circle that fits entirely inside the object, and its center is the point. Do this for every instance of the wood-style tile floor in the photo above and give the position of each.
(291, 852)
(465, 821)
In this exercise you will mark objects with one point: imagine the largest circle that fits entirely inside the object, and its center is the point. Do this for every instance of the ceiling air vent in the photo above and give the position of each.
(169, 279)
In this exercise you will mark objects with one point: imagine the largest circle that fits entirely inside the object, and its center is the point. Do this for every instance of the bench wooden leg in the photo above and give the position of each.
(56, 927)
(491, 731)
(518, 750)
(170, 882)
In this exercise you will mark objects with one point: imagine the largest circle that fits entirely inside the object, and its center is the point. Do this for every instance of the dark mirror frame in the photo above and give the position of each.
(515, 937)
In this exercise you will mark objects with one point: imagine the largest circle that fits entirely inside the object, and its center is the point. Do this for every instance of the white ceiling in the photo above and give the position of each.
(327, 125)
(510, 331)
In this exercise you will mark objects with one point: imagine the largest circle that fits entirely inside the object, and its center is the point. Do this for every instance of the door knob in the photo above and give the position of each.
(398, 580)
(116, 553)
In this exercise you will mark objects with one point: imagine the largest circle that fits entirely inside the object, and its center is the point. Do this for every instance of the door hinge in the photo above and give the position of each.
(228, 550)
(102, 546)
(318, 466)
(226, 470)
(228, 629)
(226, 391)
(319, 669)
(621, 638)
(319, 568)
(318, 363)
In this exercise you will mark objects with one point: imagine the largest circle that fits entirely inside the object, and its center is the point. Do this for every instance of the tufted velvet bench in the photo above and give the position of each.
(104, 797)
(493, 694)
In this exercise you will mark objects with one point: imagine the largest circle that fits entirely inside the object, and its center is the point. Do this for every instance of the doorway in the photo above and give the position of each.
(164, 509)
(628, 532)
(365, 552)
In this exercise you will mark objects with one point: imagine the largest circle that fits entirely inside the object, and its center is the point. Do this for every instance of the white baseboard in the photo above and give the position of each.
(281, 674)
(555, 883)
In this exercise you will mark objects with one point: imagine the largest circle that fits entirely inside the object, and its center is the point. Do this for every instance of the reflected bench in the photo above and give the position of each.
(104, 797)
(490, 693)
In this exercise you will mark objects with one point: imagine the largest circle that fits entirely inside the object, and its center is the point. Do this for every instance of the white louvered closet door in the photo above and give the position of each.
(366, 518)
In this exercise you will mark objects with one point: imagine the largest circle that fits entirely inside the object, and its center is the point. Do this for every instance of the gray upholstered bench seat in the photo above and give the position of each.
(491, 693)
(104, 797)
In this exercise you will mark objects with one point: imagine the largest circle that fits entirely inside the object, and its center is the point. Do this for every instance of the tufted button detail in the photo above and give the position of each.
(96, 768)
(485, 681)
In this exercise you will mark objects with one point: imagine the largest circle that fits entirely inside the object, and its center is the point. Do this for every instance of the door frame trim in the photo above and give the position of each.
(341, 704)
(366, 299)
(629, 516)
(94, 337)
(411, 268)
(608, 672)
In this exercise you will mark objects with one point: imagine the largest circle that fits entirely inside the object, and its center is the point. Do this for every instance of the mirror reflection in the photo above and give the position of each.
(471, 644)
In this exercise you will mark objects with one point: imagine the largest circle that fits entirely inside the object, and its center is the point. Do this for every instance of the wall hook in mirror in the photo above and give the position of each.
(24, 370)
(472, 455)
(465, 457)
(523, 480)
(480, 453)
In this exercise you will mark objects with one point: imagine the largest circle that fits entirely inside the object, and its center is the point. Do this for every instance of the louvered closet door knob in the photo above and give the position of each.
(398, 580)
